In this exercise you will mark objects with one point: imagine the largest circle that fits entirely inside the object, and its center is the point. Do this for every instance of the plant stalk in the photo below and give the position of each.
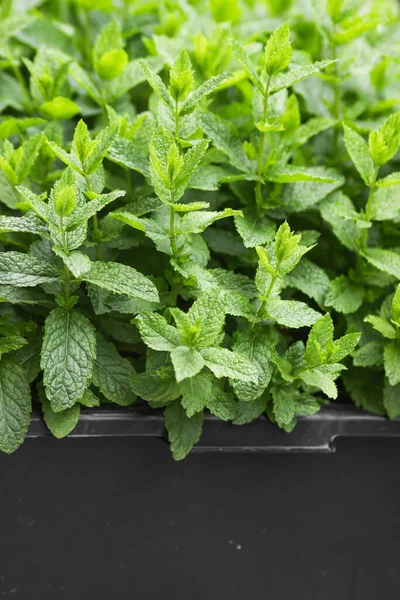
(261, 145)
(95, 222)
(372, 189)
(67, 279)
(172, 235)
(336, 102)
(176, 119)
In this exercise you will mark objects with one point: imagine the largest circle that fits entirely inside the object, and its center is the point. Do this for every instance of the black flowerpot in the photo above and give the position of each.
(116, 517)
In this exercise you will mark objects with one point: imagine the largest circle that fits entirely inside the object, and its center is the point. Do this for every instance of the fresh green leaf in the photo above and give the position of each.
(68, 353)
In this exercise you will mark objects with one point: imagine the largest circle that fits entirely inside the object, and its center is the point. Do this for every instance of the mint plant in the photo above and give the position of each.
(199, 211)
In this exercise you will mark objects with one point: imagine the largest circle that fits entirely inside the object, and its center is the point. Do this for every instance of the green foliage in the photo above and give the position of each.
(163, 174)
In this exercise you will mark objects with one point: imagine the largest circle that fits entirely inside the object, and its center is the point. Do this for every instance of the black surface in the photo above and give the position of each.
(316, 433)
(115, 518)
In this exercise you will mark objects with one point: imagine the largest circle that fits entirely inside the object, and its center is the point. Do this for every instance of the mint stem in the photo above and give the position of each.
(261, 145)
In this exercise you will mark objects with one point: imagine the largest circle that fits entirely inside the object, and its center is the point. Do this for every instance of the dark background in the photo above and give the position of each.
(105, 519)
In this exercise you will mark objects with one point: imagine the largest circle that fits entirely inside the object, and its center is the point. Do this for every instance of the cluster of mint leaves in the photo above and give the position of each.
(164, 169)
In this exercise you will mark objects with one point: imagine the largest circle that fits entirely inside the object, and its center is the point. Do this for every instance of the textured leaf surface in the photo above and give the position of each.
(391, 362)
(255, 230)
(384, 260)
(156, 333)
(225, 137)
(310, 279)
(391, 400)
(15, 405)
(24, 270)
(112, 374)
(224, 363)
(68, 352)
(291, 313)
(196, 393)
(187, 362)
(298, 74)
(318, 378)
(256, 347)
(25, 224)
(183, 432)
(121, 279)
(344, 295)
(158, 387)
(359, 153)
(385, 204)
(60, 423)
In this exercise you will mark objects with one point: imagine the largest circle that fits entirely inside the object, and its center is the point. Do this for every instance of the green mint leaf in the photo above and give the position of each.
(247, 412)
(202, 325)
(308, 130)
(391, 362)
(121, 279)
(59, 109)
(300, 196)
(384, 260)
(196, 222)
(256, 347)
(84, 213)
(291, 313)
(89, 400)
(310, 279)
(76, 262)
(157, 84)
(11, 343)
(15, 405)
(66, 158)
(320, 379)
(225, 363)
(385, 204)
(389, 180)
(100, 147)
(222, 404)
(109, 59)
(183, 432)
(68, 352)
(346, 230)
(278, 51)
(284, 406)
(225, 137)
(24, 270)
(343, 347)
(384, 142)
(293, 174)
(112, 373)
(60, 423)
(255, 230)
(158, 387)
(14, 295)
(319, 342)
(196, 392)
(395, 309)
(203, 91)
(391, 400)
(28, 224)
(181, 77)
(156, 333)
(344, 295)
(297, 74)
(247, 64)
(187, 362)
(381, 325)
(369, 355)
(359, 154)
